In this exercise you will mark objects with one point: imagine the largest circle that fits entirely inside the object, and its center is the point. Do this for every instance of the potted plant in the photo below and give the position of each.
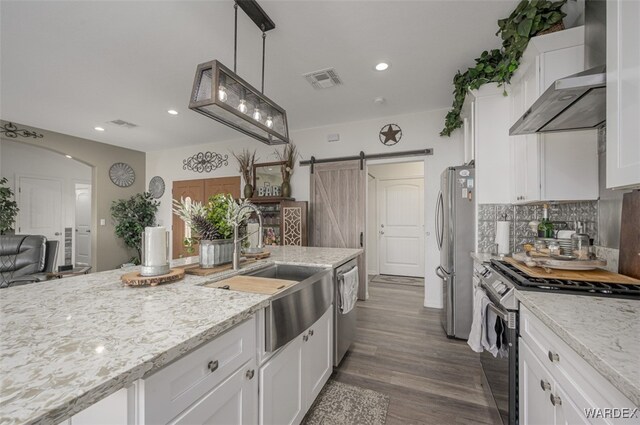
(8, 207)
(131, 216)
(288, 158)
(213, 225)
(246, 160)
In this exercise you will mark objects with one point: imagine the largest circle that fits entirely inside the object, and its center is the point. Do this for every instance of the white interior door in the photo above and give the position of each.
(401, 227)
(83, 225)
(40, 203)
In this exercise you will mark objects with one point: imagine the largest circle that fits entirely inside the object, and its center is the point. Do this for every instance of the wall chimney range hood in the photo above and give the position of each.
(571, 103)
(576, 102)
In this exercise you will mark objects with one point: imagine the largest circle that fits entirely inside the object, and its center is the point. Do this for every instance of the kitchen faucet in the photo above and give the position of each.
(236, 239)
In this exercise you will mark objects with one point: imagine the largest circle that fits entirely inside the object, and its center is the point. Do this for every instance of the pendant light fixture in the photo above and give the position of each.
(222, 95)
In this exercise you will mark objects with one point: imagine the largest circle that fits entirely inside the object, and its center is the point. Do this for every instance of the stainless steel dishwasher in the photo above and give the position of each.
(344, 325)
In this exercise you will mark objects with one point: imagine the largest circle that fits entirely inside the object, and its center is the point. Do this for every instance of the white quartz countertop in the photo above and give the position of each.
(604, 331)
(66, 344)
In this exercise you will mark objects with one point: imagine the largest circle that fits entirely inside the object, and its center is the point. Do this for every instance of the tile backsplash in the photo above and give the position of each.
(521, 215)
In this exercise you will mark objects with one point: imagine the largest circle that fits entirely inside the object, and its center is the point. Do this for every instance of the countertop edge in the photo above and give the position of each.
(326, 266)
(615, 378)
(143, 370)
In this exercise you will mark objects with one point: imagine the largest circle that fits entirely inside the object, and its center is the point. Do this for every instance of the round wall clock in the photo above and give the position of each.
(122, 174)
(390, 134)
(156, 187)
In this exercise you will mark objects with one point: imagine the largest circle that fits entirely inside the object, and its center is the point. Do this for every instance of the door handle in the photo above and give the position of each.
(57, 233)
(361, 239)
(441, 273)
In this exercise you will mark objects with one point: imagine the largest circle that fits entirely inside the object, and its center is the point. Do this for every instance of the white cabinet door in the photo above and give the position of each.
(535, 389)
(623, 93)
(317, 356)
(233, 402)
(108, 411)
(281, 387)
(567, 410)
(493, 169)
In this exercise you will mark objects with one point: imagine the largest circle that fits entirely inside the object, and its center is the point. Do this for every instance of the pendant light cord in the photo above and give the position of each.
(264, 38)
(235, 38)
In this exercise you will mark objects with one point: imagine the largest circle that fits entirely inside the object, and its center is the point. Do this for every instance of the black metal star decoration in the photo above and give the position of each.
(390, 134)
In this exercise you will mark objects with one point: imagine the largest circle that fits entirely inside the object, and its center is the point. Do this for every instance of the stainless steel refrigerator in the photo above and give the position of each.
(455, 218)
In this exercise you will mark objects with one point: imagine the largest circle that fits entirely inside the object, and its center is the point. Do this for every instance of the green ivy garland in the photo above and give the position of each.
(530, 18)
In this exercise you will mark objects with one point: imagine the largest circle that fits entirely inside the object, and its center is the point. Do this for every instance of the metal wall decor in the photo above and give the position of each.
(11, 131)
(390, 134)
(205, 162)
(156, 187)
(122, 175)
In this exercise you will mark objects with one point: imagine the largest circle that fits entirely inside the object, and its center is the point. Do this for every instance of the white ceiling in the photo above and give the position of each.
(68, 66)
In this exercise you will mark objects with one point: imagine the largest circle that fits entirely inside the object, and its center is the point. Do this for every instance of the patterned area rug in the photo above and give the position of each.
(342, 404)
(398, 280)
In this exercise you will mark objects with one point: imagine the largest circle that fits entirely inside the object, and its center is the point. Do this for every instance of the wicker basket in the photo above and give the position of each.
(557, 27)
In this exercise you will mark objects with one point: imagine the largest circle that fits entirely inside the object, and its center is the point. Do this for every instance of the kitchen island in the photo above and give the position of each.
(67, 344)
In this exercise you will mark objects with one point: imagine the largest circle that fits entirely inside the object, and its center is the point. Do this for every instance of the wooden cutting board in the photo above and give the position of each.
(587, 275)
(198, 271)
(253, 284)
(630, 235)
(136, 279)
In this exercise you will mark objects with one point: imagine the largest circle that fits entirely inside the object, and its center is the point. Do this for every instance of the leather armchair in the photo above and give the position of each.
(26, 259)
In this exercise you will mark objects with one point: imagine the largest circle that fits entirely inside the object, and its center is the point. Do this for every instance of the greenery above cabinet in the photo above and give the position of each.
(529, 19)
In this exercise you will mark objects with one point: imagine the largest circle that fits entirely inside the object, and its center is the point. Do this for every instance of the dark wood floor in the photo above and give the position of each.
(401, 351)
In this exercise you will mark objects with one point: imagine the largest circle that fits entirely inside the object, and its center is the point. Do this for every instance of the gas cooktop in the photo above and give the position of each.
(523, 281)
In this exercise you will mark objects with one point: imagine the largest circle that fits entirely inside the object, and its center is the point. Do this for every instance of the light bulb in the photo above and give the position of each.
(269, 122)
(222, 94)
(257, 115)
(242, 107)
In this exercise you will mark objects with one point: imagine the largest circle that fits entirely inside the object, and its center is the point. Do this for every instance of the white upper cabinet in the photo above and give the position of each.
(623, 93)
(486, 112)
(552, 166)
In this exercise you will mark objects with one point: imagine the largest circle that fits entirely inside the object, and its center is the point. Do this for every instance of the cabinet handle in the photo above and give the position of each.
(310, 332)
(555, 400)
(250, 374)
(554, 357)
(212, 366)
(305, 338)
(545, 385)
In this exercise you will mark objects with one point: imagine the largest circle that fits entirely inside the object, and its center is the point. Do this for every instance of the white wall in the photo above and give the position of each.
(26, 160)
(420, 130)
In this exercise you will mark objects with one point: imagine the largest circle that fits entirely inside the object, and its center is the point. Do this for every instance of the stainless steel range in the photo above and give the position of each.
(500, 279)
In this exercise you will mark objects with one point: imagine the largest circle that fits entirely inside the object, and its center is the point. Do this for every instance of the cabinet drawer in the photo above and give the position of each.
(569, 369)
(172, 389)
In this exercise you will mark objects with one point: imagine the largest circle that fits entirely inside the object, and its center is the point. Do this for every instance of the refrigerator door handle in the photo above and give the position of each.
(439, 221)
(441, 273)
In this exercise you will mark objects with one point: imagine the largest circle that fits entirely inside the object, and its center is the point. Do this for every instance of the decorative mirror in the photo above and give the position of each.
(267, 179)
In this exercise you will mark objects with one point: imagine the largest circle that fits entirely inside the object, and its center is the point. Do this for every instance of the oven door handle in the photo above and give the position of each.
(501, 314)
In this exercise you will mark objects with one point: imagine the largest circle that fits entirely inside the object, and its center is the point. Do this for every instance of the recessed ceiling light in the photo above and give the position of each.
(379, 100)
(172, 112)
(98, 128)
(382, 66)
(69, 156)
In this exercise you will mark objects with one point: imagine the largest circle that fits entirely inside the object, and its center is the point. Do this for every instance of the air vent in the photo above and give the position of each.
(123, 123)
(323, 79)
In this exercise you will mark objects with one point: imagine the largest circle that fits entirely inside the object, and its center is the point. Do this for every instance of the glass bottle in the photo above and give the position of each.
(545, 228)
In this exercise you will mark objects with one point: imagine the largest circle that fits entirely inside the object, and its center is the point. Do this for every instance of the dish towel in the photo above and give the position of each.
(480, 301)
(489, 334)
(349, 290)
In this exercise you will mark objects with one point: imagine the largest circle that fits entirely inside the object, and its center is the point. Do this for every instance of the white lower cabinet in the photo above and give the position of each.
(292, 379)
(113, 409)
(556, 385)
(233, 402)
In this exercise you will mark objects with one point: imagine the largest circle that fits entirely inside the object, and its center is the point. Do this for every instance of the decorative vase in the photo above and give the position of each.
(248, 191)
(285, 190)
(216, 252)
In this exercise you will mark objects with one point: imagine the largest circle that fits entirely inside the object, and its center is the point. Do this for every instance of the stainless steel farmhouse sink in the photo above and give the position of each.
(293, 310)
